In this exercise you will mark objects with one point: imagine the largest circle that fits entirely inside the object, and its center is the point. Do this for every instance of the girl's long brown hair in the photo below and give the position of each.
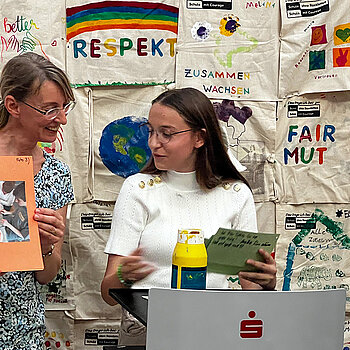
(213, 165)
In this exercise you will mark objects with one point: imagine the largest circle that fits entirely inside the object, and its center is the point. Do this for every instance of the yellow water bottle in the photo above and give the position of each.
(189, 263)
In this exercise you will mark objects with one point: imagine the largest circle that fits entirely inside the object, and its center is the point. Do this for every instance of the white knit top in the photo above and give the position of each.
(150, 210)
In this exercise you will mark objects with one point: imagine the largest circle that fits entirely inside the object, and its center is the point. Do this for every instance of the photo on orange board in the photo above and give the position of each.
(19, 236)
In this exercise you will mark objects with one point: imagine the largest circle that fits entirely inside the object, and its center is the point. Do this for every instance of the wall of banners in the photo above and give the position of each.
(278, 74)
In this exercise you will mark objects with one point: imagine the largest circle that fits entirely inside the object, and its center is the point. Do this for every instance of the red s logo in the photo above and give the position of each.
(251, 328)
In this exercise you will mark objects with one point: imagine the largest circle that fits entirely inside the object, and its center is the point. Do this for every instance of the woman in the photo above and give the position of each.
(189, 182)
(35, 100)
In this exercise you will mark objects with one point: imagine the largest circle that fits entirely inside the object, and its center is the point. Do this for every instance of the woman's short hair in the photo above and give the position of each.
(213, 165)
(23, 76)
(8, 186)
(20, 192)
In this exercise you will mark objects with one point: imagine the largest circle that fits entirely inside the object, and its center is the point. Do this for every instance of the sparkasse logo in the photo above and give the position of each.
(251, 329)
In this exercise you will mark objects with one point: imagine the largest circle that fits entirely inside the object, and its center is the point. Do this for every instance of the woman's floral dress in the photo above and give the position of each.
(22, 313)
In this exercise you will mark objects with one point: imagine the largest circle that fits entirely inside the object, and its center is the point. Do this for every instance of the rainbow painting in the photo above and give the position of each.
(107, 15)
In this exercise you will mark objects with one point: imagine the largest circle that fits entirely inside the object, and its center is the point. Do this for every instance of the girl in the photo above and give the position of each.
(189, 182)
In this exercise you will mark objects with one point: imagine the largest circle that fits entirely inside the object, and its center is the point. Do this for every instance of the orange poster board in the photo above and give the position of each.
(20, 248)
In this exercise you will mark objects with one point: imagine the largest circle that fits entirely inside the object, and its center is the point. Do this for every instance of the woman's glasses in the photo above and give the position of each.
(163, 135)
(53, 112)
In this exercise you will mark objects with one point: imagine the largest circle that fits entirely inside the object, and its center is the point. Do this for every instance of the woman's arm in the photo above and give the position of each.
(51, 225)
(133, 268)
(12, 228)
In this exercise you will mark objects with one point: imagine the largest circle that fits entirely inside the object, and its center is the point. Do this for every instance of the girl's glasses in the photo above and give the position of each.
(53, 112)
(164, 136)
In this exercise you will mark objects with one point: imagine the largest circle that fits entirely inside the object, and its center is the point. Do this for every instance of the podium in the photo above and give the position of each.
(242, 320)
(133, 300)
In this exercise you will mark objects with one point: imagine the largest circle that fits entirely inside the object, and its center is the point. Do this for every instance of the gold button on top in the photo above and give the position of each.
(142, 184)
(150, 182)
(226, 186)
(237, 187)
(157, 179)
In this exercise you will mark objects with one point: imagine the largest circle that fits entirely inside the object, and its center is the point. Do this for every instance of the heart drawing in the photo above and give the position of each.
(343, 34)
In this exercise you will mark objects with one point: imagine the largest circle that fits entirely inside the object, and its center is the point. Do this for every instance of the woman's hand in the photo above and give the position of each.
(4, 222)
(264, 278)
(5, 212)
(51, 227)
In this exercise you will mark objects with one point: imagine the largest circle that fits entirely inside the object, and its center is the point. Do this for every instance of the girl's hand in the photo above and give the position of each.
(51, 227)
(134, 267)
(264, 278)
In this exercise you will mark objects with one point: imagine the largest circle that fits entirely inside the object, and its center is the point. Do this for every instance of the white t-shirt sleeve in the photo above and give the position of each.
(7, 199)
(129, 219)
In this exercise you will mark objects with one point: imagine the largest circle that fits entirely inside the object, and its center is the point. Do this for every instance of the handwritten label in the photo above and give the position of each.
(19, 35)
(239, 240)
(23, 159)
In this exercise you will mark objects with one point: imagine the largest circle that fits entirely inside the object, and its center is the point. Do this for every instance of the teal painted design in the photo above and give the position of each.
(335, 228)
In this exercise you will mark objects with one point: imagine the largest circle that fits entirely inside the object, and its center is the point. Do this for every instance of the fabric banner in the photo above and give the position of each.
(106, 38)
(96, 334)
(59, 333)
(250, 132)
(315, 46)
(119, 145)
(29, 25)
(266, 217)
(313, 247)
(58, 294)
(89, 227)
(229, 49)
(312, 149)
(74, 145)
